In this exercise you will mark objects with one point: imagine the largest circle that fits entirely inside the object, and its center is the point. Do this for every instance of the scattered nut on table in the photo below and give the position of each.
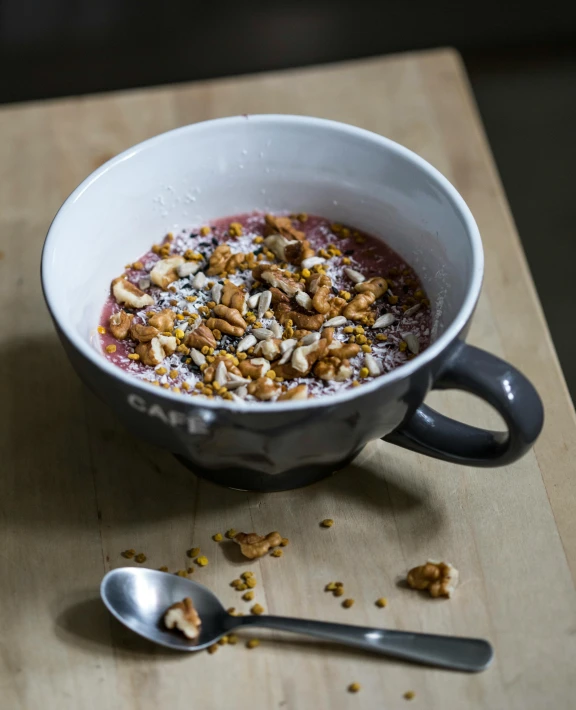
(253, 545)
(439, 578)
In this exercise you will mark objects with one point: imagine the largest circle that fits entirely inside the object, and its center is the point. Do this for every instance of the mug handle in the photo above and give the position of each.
(498, 383)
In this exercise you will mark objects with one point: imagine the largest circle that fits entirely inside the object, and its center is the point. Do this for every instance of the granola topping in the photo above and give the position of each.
(265, 308)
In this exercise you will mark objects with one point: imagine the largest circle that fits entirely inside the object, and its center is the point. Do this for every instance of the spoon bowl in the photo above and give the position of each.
(139, 598)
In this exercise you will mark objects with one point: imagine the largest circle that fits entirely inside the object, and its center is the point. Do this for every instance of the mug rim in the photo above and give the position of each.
(403, 371)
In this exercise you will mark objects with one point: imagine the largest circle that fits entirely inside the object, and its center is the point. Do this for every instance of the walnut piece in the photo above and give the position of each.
(263, 389)
(151, 353)
(120, 324)
(126, 292)
(284, 312)
(253, 545)
(337, 305)
(333, 368)
(210, 371)
(283, 226)
(272, 274)
(184, 617)
(222, 261)
(254, 368)
(200, 337)
(278, 244)
(294, 393)
(320, 286)
(163, 320)
(143, 333)
(234, 297)
(344, 351)
(439, 578)
(368, 292)
(229, 321)
(295, 251)
(165, 271)
(301, 361)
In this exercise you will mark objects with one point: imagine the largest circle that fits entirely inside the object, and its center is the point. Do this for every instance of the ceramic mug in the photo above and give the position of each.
(287, 163)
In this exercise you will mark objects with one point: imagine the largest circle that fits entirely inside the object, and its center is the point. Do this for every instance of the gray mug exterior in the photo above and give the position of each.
(287, 449)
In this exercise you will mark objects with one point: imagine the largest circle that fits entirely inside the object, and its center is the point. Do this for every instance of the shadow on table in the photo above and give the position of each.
(87, 626)
(69, 456)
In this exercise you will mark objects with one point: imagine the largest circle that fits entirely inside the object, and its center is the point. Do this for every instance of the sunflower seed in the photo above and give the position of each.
(312, 261)
(276, 329)
(197, 357)
(354, 276)
(264, 303)
(188, 268)
(384, 321)
(199, 280)
(262, 333)
(253, 300)
(374, 367)
(221, 375)
(216, 292)
(413, 309)
(144, 283)
(335, 322)
(310, 338)
(304, 300)
(246, 342)
(412, 342)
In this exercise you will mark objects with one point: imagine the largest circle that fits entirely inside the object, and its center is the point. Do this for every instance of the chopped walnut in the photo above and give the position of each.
(184, 617)
(283, 226)
(151, 353)
(143, 333)
(229, 321)
(223, 261)
(294, 393)
(302, 360)
(234, 297)
(228, 364)
(296, 251)
(270, 273)
(127, 293)
(333, 368)
(254, 368)
(163, 320)
(284, 313)
(120, 324)
(320, 286)
(278, 244)
(165, 271)
(201, 337)
(344, 351)
(439, 578)
(263, 389)
(253, 545)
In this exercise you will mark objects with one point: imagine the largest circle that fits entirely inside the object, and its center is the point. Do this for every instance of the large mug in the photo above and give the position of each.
(287, 163)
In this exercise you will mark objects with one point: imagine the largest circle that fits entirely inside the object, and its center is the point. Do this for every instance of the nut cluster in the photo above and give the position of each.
(256, 320)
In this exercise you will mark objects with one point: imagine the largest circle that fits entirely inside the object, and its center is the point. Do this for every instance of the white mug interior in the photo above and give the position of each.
(273, 163)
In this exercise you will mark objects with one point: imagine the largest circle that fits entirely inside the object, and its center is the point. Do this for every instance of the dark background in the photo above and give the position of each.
(521, 62)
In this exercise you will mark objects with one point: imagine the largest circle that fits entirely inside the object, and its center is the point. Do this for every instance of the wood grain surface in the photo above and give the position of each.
(76, 489)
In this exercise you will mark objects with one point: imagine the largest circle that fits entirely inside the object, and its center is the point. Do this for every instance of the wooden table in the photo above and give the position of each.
(77, 490)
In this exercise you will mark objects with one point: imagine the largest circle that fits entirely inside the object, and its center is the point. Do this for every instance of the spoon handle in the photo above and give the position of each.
(457, 653)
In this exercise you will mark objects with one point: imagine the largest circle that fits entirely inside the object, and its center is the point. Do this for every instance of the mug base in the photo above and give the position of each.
(249, 480)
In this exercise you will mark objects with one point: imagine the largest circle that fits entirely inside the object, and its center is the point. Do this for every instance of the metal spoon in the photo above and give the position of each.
(139, 597)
